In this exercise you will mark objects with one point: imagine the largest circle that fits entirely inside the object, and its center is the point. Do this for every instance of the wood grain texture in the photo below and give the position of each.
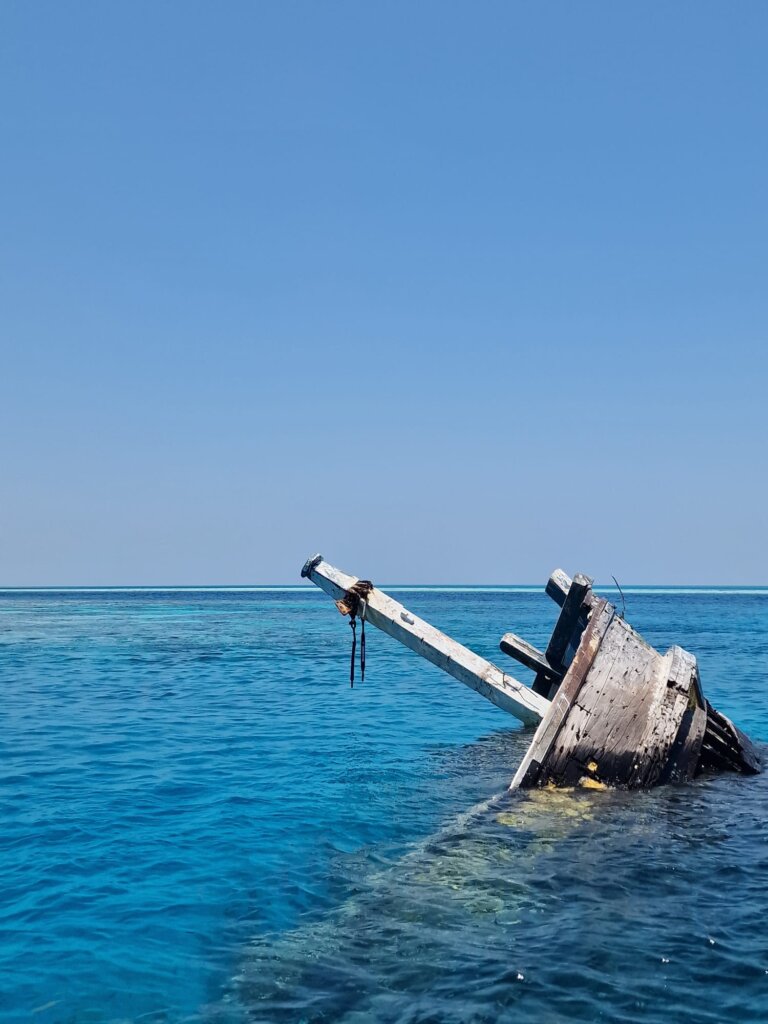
(547, 735)
(602, 726)
(624, 723)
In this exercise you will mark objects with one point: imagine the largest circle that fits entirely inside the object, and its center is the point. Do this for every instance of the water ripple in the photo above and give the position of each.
(201, 822)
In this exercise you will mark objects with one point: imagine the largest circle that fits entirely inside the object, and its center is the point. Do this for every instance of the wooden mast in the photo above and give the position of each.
(469, 668)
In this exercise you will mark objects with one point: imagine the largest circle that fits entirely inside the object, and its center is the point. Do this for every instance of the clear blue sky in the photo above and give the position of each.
(447, 291)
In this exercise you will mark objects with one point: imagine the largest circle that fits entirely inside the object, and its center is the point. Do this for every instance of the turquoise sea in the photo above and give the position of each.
(201, 822)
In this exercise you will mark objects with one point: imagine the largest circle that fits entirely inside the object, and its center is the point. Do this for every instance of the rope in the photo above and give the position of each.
(353, 624)
(362, 644)
(353, 604)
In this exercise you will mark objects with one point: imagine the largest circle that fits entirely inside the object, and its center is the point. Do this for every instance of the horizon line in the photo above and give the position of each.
(401, 587)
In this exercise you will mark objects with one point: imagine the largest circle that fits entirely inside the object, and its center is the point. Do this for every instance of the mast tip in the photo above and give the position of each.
(310, 564)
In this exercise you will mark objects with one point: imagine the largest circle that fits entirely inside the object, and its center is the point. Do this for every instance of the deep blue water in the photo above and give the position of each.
(201, 822)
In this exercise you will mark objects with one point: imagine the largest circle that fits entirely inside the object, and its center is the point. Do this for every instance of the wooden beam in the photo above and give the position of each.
(469, 668)
(528, 655)
(568, 619)
(558, 585)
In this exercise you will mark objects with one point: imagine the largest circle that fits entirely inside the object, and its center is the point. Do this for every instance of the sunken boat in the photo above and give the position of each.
(609, 709)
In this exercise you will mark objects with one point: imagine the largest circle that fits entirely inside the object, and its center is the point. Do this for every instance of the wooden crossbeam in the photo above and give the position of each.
(528, 655)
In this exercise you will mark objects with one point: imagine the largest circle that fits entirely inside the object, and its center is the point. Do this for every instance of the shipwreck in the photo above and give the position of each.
(609, 709)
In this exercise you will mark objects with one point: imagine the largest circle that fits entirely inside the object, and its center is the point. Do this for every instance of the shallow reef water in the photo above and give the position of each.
(201, 822)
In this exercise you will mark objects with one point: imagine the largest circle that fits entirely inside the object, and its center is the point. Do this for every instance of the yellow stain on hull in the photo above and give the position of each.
(586, 783)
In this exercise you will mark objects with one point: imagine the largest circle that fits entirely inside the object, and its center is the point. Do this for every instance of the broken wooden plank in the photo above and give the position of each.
(726, 746)
(528, 655)
(469, 668)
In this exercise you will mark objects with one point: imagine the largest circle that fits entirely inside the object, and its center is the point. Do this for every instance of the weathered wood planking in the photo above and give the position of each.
(705, 739)
(685, 753)
(673, 694)
(603, 705)
(621, 717)
(469, 668)
(537, 755)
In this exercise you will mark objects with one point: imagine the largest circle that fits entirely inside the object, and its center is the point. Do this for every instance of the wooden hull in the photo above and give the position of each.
(627, 716)
(611, 710)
